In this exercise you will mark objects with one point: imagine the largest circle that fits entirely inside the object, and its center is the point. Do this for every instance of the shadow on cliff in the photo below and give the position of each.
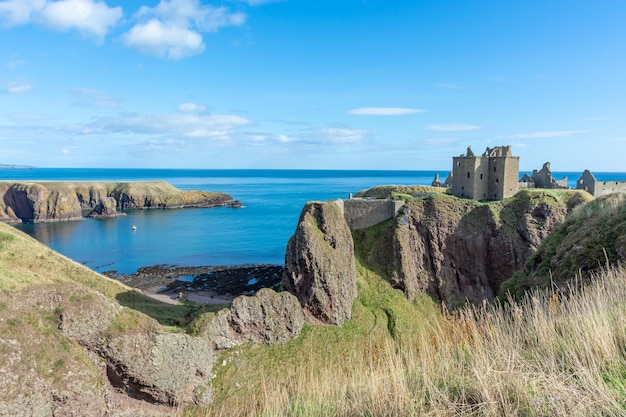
(179, 315)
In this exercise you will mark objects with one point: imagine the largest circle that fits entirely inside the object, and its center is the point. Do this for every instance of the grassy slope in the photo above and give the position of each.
(592, 236)
(24, 261)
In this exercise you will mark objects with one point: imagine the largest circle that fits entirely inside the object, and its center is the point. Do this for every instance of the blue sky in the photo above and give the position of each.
(342, 84)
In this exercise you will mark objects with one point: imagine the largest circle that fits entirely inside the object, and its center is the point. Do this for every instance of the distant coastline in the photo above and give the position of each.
(4, 166)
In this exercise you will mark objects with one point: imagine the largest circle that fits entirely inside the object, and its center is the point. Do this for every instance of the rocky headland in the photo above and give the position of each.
(36, 202)
(121, 359)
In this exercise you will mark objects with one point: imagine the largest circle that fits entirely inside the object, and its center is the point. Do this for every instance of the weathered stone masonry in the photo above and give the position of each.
(492, 176)
(597, 188)
(361, 213)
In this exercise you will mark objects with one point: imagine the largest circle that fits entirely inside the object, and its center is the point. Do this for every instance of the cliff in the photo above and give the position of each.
(60, 201)
(455, 249)
(592, 238)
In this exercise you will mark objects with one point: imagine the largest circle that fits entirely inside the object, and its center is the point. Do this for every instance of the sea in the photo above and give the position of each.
(257, 233)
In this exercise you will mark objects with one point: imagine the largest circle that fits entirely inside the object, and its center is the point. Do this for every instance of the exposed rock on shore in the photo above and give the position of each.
(60, 201)
(320, 266)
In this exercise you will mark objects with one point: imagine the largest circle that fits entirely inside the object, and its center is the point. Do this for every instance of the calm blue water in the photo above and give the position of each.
(257, 233)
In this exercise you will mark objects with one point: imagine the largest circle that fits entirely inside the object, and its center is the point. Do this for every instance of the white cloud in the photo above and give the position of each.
(172, 28)
(284, 138)
(18, 88)
(540, 135)
(384, 111)
(171, 125)
(452, 127)
(191, 108)
(19, 12)
(85, 97)
(345, 135)
(157, 38)
(90, 17)
(65, 151)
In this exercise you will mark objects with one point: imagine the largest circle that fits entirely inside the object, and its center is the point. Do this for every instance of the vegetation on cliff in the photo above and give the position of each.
(592, 236)
(547, 353)
(58, 201)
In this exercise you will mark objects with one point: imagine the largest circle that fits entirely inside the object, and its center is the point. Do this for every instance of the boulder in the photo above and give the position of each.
(267, 317)
(320, 265)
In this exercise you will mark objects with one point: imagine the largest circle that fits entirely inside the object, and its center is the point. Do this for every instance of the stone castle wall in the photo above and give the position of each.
(597, 188)
(361, 213)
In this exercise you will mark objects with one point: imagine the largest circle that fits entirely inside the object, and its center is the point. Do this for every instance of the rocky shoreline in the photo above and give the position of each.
(220, 282)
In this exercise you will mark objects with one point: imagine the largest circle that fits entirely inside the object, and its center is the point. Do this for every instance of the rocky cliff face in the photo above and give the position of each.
(457, 250)
(58, 201)
(320, 266)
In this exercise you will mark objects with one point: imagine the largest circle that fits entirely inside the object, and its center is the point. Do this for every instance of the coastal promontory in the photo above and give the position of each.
(44, 201)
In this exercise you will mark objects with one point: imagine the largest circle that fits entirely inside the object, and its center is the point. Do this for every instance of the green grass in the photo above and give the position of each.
(24, 262)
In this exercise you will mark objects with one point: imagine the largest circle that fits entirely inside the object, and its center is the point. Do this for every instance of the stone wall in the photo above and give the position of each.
(597, 188)
(362, 213)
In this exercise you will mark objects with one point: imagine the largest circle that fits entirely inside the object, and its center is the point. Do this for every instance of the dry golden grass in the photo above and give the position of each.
(548, 354)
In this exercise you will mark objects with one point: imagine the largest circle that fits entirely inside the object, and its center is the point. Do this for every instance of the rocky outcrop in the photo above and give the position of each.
(267, 317)
(58, 201)
(72, 351)
(320, 265)
(36, 203)
(106, 207)
(457, 250)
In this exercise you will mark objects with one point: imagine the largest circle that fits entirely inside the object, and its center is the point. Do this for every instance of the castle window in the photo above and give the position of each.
(468, 174)
(494, 169)
(481, 176)
(497, 180)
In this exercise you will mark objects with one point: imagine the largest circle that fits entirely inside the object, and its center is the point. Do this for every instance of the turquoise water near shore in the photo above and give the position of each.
(256, 233)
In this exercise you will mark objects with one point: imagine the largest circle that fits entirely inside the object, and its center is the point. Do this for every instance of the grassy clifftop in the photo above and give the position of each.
(56, 201)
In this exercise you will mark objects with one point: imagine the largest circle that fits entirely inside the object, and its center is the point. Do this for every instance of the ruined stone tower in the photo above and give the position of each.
(492, 176)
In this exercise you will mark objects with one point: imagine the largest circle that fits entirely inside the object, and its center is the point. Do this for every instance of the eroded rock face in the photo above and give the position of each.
(35, 203)
(106, 207)
(267, 317)
(68, 351)
(457, 250)
(320, 266)
(59, 201)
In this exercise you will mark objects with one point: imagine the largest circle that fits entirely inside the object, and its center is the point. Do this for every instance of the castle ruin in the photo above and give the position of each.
(589, 183)
(492, 176)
